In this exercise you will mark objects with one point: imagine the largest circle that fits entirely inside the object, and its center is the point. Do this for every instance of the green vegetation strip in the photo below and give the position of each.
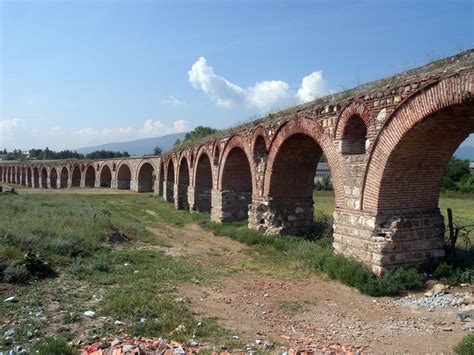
(46, 235)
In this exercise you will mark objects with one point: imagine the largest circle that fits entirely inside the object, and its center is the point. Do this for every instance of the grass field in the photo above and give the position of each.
(86, 270)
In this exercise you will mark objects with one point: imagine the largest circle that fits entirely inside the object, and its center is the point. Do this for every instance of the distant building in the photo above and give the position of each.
(471, 167)
(321, 171)
(3, 156)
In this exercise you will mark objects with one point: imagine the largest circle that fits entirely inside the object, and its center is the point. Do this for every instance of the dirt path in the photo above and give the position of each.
(313, 312)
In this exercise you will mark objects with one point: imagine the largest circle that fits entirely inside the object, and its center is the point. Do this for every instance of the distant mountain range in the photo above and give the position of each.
(466, 152)
(137, 147)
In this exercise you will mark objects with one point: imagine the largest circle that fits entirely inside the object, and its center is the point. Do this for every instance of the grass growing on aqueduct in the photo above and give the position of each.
(69, 232)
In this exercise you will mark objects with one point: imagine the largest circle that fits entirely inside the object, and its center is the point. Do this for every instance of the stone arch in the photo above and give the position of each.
(29, 173)
(216, 153)
(312, 129)
(183, 183)
(44, 178)
(355, 108)
(146, 176)
(23, 176)
(203, 181)
(124, 176)
(105, 176)
(89, 176)
(18, 175)
(409, 157)
(236, 181)
(76, 176)
(13, 179)
(53, 178)
(36, 177)
(63, 184)
(170, 181)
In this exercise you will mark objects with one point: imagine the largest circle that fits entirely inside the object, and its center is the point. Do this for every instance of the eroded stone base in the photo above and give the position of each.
(282, 216)
(388, 241)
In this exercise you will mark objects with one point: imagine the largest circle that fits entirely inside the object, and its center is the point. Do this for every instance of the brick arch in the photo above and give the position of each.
(258, 134)
(235, 141)
(76, 175)
(312, 129)
(355, 108)
(170, 178)
(63, 177)
(413, 149)
(183, 180)
(44, 177)
(161, 176)
(145, 172)
(124, 175)
(89, 175)
(203, 180)
(105, 175)
(203, 151)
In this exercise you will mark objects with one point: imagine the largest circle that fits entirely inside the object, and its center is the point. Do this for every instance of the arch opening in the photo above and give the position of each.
(105, 176)
(89, 177)
(170, 182)
(13, 179)
(36, 178)
(354, 136)
(23, 176)
(63, 183)
(412, 175)
(53, 178)
(203, 184)
(146, 178)
(124, 177)
(76, 177)
(236, 186)
(291, 184)
(44, 178)
(29, 176)
(161, 180)
(183, 184)
(18, 176)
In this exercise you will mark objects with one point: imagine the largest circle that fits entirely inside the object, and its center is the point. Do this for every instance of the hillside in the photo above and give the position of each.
(137, 147)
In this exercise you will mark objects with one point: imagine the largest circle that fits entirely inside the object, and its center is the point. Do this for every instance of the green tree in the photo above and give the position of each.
(157, 151)
(457, 168)
(196, 134)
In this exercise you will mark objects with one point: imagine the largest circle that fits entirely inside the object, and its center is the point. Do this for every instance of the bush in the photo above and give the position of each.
(16, 273)
(37, 266)
(465, 346)
(55, 346)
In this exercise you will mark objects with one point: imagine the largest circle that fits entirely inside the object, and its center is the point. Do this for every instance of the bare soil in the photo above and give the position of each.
(314, 312)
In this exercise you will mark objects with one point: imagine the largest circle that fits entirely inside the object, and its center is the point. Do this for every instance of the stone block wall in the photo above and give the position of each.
(388, 241)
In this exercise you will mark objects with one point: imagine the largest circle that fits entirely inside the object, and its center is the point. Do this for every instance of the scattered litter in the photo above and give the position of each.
(11, 299)
(90, 314)
(10, 333)
(118, 323)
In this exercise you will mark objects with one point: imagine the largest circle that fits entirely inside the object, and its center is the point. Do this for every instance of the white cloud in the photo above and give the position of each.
(265, 96)
(156, 128)
(220, 90)
(312, 86)
(172, 101)
(8, 125)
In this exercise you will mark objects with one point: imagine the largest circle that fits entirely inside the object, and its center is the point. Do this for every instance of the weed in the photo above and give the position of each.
(55, 346)
(465, 346)
(291, 307)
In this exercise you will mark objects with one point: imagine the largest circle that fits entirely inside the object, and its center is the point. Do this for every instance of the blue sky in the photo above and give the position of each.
(77, 73)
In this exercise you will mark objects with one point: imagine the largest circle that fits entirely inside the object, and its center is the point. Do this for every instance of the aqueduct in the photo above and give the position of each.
(387, 144)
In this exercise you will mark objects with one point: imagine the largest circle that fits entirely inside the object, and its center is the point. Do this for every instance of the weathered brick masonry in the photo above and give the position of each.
(387, 144)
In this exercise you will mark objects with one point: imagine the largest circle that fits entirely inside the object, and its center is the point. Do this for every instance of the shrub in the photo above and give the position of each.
(37, 266)
(465, 346)
(16, 273)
